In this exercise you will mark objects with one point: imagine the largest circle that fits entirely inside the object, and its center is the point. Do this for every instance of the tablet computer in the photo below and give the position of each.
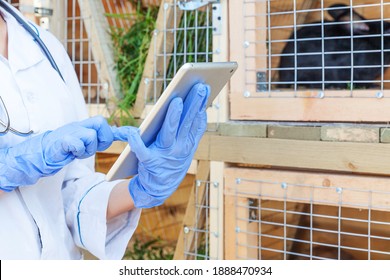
(215, 74)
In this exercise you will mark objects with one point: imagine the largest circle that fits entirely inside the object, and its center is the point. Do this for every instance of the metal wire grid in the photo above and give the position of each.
(79, 48)
(283, 19)
(294, 225)
(78, 44)
(197, 236)
(189, 39)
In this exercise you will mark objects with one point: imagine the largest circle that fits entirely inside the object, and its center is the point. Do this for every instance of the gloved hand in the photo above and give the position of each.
(163, 165)
(47, 153)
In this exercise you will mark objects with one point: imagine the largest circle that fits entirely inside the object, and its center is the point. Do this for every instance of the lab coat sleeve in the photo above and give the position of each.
(86, 192)
(86, 207)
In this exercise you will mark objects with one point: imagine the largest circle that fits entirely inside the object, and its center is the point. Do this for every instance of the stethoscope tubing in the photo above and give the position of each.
(45, 50)
(36, 37)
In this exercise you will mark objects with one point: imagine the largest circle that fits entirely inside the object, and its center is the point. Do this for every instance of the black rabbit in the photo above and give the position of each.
(332, 52)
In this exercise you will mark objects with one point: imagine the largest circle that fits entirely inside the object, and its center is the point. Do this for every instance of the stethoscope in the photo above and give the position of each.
(46, 52)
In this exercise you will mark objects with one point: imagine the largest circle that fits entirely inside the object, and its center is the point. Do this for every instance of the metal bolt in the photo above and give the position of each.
(166, 6)
(238, 181)
(146, 81)
(218, 51)
(284, 186)
(217, 106)
(238, 229)
(216, 184)
(246, 44)
(339, 190)
(155, 32)
(321, 94)
(197, 183)
(216, 234)
(186, 230)
(379, 94)
(247, 94)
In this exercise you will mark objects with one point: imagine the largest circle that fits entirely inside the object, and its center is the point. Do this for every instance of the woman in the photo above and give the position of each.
(52, 203)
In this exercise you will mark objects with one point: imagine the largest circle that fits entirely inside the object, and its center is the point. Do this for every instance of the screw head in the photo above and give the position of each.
(321, 94)
(247, 94)
(339, 190)
(238, 181)
(283, 185)
(379, 94)
(186, 230)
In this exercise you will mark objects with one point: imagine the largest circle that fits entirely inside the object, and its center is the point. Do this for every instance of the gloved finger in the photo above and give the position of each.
(167, 134)
(138, 146)
(74, 146)
(197, 130)
(103, 130)
(122, 133)
(90, 141)
(194, 103)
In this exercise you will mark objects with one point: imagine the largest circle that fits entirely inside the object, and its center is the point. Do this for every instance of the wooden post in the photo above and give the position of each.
(190, 216)
(97, 29)
(219, 113)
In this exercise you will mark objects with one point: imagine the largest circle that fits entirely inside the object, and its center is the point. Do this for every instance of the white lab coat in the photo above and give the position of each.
(60, 214)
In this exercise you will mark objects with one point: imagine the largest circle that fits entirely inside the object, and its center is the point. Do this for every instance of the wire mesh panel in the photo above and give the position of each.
(317, 49)
(197, 235)
(83, 52)
(292, 215)
(186, 33)
(79, 48)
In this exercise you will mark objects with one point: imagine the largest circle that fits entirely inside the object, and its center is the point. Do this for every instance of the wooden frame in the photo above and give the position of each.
(248, 238)
(246, 28)
(360, 158)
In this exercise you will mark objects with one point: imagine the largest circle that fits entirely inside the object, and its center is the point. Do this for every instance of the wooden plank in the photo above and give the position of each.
(237, 38)
(229, 228)
(309, 109)
(162, 42)
(185, 241)
(97, 28)
(238, 243)
(370, 158)
(363, 192)
(219, 111)
(216, 210)
(247, 232)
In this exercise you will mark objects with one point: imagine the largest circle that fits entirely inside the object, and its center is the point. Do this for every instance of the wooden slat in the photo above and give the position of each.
(230, 228)
(372, 158)
(361, 192)
(310, 109)
(186, 240)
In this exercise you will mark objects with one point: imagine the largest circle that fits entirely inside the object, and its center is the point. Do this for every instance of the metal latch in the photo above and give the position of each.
(190, 5)
(38, 11)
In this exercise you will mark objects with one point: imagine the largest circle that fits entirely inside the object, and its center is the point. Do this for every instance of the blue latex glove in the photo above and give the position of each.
(163, 165)
(47, 153)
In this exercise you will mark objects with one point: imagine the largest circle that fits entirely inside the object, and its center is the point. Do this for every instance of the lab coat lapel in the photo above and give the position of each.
(23, 51)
